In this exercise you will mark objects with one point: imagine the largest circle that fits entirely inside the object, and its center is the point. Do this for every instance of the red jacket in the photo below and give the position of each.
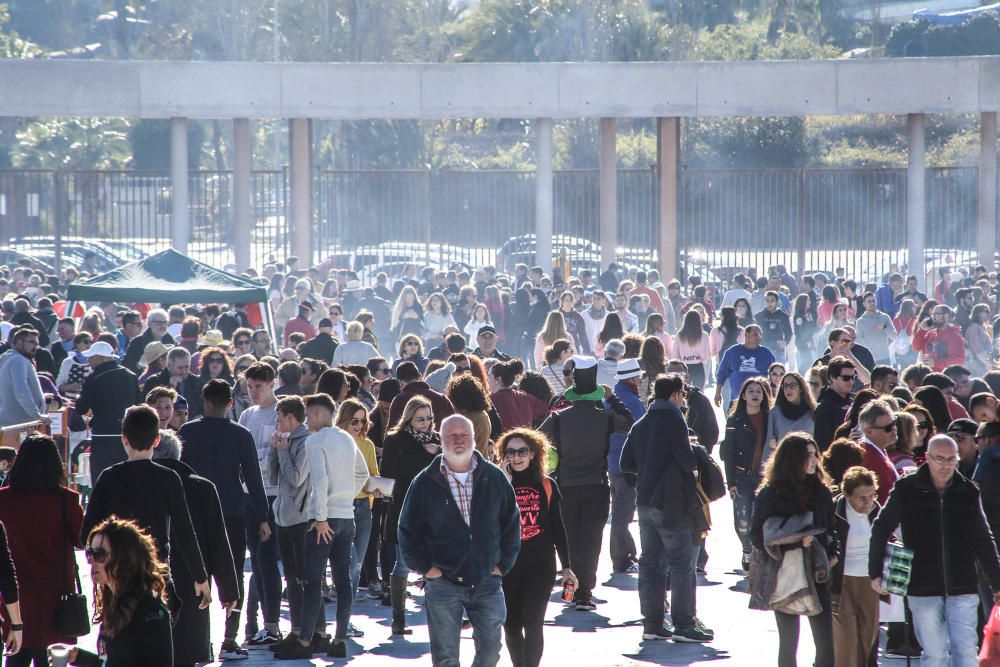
(440, 404)
(878, 462)
(517, 408)
(35, 532)
(942, 347)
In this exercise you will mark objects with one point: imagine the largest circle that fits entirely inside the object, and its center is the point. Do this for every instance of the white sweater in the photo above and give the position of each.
(337, 473)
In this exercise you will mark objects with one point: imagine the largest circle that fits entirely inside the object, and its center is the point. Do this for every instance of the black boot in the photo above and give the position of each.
(397, 592)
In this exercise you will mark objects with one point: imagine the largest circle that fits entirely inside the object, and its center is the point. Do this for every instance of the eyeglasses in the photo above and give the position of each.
(215, 360)
(359, 422)
(519, 452)
(242, 369)
(242, 341)
(776, 374)
(888, 428)
(96, 554)
(423, 420)
(944, 460)
(923, 425)
(410, 344)
(384, 371)
(156, 321)
(849, 378)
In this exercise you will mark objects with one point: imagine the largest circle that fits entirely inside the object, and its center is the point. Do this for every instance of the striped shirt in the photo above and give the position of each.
(461, 488)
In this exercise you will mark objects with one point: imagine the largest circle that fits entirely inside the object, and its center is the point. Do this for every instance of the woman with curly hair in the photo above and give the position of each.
(794, 483)
(130, 595)
(470, 399)
(527, 586)
(216, 364)
(841, 455)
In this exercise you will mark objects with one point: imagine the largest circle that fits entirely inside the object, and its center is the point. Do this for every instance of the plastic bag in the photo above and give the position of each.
(989, 654)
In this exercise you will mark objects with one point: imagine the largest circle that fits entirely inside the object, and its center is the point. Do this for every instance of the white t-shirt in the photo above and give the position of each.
(856, 551)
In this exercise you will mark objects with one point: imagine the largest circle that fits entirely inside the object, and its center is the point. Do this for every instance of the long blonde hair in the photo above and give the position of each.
(555, 327)
(400, 307)
(409, 410)
(346, 412)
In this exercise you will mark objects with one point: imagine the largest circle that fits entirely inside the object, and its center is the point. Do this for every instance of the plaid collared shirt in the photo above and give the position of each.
(461, 491)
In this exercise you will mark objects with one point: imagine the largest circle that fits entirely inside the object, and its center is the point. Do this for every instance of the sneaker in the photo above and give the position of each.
(375, 591)
(320, 643)
(353, 631)
(661, 633)
(700, 627)
(289, 639)
(666, 603)
(329, 595)
(361, 596)
(585, 604)
(746, 561)
(901, 652)
(230, 650)
(668, 624)
(633, 568)
(295, 652)
(264, 638)
(691, 636)
(337, 650)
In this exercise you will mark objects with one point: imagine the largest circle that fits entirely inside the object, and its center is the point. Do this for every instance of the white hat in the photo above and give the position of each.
(352, 286)
(100, 348)
(582, 362)
(628, 368)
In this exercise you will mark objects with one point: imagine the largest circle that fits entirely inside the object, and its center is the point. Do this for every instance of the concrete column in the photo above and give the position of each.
(242, 191)
(180, 213)
(915, 185)
(608, 230)
(300, 187)
(543, 195)
(986, 237)
(668, 152)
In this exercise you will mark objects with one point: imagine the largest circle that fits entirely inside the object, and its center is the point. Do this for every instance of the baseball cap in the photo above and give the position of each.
(486, 328)
(966, 426)
(100, 348)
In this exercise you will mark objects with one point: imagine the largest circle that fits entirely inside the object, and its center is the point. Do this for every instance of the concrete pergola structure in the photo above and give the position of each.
(668, 91)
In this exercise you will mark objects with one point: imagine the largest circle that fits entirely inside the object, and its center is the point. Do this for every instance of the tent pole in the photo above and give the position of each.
(269, 324)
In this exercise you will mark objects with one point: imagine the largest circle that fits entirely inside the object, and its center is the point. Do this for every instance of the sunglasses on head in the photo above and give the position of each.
(96, 554)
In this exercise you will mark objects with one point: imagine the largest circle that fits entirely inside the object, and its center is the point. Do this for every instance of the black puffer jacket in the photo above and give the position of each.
(830, 412)
(947, 533)
(402, 459)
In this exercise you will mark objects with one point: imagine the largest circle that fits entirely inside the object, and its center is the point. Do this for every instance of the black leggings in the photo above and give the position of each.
(526, 591)
(822, 632)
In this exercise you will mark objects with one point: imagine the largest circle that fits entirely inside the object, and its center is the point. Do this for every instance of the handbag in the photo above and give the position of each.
(72, 618)
(989, 654)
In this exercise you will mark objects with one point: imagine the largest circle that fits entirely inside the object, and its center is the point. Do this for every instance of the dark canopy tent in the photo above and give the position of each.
(170, 277)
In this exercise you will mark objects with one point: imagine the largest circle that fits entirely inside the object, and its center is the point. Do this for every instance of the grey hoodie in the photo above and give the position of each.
(289, 471)
(21, 397)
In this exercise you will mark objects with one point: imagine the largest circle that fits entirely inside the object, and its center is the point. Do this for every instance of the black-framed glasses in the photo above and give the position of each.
(215, 360)
(888, 428)
(849, 378)
(96, 554)
(518, 452)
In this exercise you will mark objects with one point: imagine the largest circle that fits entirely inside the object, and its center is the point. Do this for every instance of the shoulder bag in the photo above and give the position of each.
(72, 618)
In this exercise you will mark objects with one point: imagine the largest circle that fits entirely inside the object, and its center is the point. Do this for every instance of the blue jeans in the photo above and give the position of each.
(946, 629)
(664, 550)
(264, 565)
(484, 602)
(743, 509)
(314, 558)
(362, 532)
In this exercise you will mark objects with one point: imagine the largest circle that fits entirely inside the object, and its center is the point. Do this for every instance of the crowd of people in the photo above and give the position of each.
(461, 432)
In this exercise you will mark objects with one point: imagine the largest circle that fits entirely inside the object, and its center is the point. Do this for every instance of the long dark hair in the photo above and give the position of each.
(932, 399)
(652, 357)
(805, 396)
(135, 569)
(691, 332)
(38, 466)
(612, 329)
(789, 460)
(740, 405)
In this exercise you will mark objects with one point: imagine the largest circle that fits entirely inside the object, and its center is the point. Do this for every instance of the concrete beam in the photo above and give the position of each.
(156, 89)
(608, 186)
(668, 152)
(180, 211)
(986, 236)
(300, 187)
(543, 194)
(916, 218)
(242, 191)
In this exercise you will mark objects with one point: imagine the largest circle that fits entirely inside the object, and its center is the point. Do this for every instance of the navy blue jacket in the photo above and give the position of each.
(224, 453)
(432, 532)
(658, 450)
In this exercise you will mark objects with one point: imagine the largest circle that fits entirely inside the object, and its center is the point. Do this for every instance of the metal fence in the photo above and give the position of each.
(729, 219)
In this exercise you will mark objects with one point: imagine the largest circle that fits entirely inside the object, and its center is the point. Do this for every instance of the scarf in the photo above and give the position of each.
(793, 411)
(423, 437)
